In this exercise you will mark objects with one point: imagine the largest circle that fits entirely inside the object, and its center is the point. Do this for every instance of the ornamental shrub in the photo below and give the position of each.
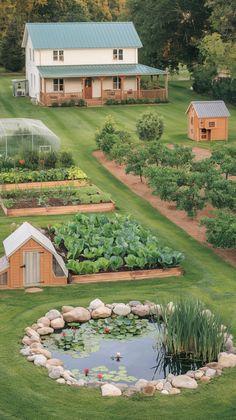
(150, 126)
(50, 160)
(66, 160)
(108, 128)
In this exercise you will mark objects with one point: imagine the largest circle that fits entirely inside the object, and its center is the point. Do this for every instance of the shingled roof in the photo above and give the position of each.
(210, 109)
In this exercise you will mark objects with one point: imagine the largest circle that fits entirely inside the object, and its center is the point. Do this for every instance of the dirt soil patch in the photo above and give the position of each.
(168, 209)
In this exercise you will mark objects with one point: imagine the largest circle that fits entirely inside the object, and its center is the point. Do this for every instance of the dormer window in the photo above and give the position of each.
(58, 55)
(117, 54)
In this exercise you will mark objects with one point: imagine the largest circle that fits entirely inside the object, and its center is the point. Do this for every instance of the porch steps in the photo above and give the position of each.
(94, 102)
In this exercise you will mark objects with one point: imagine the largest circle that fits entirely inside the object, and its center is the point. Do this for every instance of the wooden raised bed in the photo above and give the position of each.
(44, 184)
(128, 275)
(44, 211)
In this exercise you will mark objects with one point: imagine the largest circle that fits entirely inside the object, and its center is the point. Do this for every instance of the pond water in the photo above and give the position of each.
(142, 356)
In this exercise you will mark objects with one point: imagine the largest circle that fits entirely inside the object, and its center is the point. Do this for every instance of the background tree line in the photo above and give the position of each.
(200, 34)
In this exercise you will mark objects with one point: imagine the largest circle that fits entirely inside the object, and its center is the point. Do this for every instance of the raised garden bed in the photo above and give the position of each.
(55, 201)
(128, 275)
(44, 184)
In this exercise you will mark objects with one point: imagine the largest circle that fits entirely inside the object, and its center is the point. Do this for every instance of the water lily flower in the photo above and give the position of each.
(22, 161)
(107, 330)
(86, 371)
(99, 376)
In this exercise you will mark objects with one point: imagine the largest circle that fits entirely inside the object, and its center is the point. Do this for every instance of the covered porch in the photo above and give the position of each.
(97, 84)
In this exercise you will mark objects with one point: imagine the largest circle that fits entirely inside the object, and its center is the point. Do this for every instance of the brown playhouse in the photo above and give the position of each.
(207, 120)
(30, 260)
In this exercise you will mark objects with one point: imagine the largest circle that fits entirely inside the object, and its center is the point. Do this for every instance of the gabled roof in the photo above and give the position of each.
(95, 70)
(210, 109)
(23, 234)
(82, 35)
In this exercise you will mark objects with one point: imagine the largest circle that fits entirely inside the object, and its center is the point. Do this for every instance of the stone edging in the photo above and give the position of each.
(35, 352)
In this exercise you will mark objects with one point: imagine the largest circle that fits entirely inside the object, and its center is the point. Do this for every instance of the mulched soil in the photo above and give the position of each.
(168, 209)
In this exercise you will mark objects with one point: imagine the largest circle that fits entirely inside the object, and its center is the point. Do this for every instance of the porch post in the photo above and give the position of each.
(138, 78)
(158, 81)
(40, 89)
(122, 86)
(101, 79)
(166, 85)
(83, 88)
(45, 91)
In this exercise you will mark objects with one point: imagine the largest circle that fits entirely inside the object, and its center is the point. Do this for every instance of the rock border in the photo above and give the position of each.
(35, 352)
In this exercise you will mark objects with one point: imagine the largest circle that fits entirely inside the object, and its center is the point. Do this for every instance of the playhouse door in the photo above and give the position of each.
(32, 268)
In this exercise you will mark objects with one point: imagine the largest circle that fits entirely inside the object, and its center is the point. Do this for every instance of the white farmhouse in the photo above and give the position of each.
(86, 60)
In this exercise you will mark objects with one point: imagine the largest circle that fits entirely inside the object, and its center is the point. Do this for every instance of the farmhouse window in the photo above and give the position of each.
(58, 85)
(212, 124)
(3, 279)
(58, 55)
(116, 82)
(117, 54)
(57, 270)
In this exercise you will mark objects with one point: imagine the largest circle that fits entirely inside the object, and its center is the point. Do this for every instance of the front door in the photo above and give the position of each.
(88, 88)
(32, 268)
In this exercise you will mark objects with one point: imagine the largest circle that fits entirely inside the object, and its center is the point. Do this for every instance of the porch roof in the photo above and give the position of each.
(98, 70)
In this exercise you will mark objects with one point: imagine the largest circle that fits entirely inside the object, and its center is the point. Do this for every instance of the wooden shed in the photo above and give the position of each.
(207, 120)
(30, 260)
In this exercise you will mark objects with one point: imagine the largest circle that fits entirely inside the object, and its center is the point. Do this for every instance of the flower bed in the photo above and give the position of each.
(55, 201)
(119, 320)
(93, 244)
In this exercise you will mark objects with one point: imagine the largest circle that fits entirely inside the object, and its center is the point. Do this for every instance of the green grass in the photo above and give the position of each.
(26, 392)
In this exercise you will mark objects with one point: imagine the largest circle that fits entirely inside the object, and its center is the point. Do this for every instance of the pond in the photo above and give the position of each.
(92, 347)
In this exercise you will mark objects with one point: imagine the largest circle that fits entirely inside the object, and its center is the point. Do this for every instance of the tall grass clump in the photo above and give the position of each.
(193, 332)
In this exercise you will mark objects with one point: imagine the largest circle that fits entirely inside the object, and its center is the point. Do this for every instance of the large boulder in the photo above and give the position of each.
(32, 333)
(133, 303)
(96, 303)
(226, 360)
(55, 372)
(57, 323)
(101, 312)
(78, 314)
(140, 384)
(42, 351)
(54, 362)
(121, 309)
(40, 360)
(141, 310)
(45, 330)
(53, 314)
(26, 351)
(109, 390)
(149, 390)
(184, 381)
(66, 308)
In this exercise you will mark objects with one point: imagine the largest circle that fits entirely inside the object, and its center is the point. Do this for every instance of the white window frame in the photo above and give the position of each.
(58, 85)
(116, 80)
(58, 55)
(118, 54)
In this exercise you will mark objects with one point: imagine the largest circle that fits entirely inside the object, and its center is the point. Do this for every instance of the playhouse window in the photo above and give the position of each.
(57, 268)
(3, 279)
(212, 124)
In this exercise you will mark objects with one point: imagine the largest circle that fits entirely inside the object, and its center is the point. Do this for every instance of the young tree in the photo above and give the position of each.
(221, 230)
(223, 194)
(150, 126)
(225, 159)
(136, 161)
(109, 127)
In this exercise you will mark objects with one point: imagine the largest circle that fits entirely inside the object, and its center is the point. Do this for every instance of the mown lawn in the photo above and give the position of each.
(26, 392)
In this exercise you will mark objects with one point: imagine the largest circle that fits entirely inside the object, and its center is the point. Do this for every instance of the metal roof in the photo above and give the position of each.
(98, 70)
(23, 234)
(82, 35)
(210, 109)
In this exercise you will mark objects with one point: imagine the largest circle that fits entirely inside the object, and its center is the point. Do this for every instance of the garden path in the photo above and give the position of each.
(168, 209)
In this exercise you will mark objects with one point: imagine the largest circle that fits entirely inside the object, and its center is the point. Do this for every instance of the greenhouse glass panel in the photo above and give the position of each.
(18, 135)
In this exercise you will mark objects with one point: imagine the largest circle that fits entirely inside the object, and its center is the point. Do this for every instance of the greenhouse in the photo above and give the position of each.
(18, 135)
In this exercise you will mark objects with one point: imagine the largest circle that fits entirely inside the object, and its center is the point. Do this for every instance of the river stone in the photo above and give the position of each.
(40, 360)
(26, 351)
(121, 309)
(42, 351)
(58, 323)
(198, 374)
(78, 314)
(66, 308)
(159, 386)
(43, 321)
(34, 326)
(130, 391)
(96, 303)
(133, 303)
(53, 314)
(45, 330)
(149, 390)
(174, 391)
(140, 384)
(213, 365)
(226, 360)
(55, 372)
(54, 362)
(229, 344)
(32, 333)
(101, 312)
(27, 341)
(61, 381)
(36, 345)
(190, 373)
(167, 386)
(205, 379)
(164, 392)
(141, 310)
(184, 381)
(210, 372)
(109, 390)
(31, 358)
(170, 377)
